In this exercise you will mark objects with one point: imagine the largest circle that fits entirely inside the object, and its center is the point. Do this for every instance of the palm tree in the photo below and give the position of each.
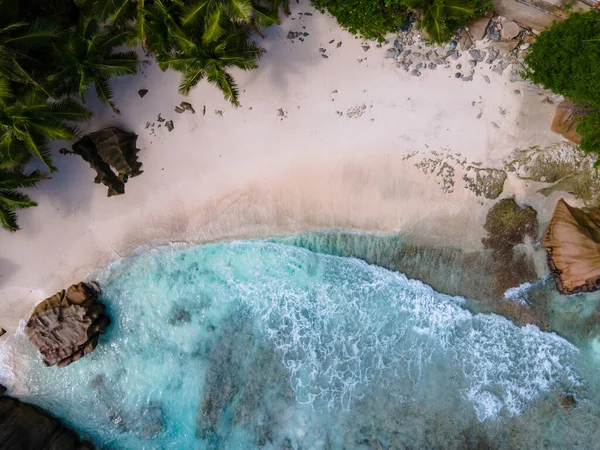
(11, 200)
(214, 15)
(87, 59)
(211, 61)
(18, 61)
(435, 14)
(28, 121)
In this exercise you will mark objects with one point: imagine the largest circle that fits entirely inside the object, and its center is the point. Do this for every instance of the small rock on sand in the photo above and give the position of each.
(142, 92)
(169, 125)
(339, 44)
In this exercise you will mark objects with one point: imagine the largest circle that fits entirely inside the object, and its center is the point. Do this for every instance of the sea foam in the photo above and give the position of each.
(277, 335)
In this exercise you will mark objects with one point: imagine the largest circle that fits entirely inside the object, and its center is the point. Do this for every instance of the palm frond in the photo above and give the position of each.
(239, 10)
(194, 12)
(213, 30)
(190, 79)
(39, 31)
(8, 219)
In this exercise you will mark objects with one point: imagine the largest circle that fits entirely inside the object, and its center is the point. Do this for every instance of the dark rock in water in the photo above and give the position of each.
(567, 401)
(572, 243)
(2, 390)
(179, 316)
(142, 92)
(508, 224)
(235, 392)
(67, 325)
(24, 426)
(146, 422)
(110, 147)
(152, 419)
(457, 75)
(476, 275)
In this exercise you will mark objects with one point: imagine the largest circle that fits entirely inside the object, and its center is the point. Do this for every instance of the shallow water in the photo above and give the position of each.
(256, 344)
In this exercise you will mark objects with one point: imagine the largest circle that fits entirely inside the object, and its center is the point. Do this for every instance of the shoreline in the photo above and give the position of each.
(294, 165)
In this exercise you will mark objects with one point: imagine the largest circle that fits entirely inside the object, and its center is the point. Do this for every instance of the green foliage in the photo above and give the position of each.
(52, 52)
(589, 129)
(566, 60)
(88, 59)
(11, 200)
(372, 19)
(439, 18)
(199, 38)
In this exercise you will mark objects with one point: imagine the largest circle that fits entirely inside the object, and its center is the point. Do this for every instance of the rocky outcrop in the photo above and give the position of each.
(508, 224)
(572, 243)
(26, 427)
(67, 325)
(565, 121)
(108, 149)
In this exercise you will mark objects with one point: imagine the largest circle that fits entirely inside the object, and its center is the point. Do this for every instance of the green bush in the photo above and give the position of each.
(566, 60)
(372, 19)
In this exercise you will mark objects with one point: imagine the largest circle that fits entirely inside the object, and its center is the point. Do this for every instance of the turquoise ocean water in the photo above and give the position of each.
(256, 344)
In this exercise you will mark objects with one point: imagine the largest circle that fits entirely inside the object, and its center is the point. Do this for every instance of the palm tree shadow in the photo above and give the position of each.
(7, 270)
(284, 57)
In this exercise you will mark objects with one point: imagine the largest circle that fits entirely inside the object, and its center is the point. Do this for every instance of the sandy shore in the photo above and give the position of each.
(286, 161)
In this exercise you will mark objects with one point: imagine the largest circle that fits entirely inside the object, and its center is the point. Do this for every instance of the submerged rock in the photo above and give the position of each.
(107, 149)
(508, 224)
(67, 325)
(572, 243)
(24, 426)
(565, 121)
(488, 183)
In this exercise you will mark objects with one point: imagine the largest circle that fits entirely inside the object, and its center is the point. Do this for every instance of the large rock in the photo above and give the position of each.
(110, 147)
(505, 47)
(572, 243)
(565, 121)
(508, 224)
(478, 27)
(510, 29)
(67, 325)
(24, 427)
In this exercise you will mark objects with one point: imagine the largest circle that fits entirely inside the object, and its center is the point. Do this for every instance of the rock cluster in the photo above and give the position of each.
(505, 42)
(108, 149)
(572, 243)
(67, 325)
(24, 426)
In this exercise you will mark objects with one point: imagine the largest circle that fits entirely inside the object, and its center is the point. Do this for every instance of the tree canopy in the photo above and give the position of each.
(566, 59)
(52, 53)
(372, 19)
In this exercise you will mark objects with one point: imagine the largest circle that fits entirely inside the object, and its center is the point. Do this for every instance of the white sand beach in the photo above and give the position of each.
(284, 162)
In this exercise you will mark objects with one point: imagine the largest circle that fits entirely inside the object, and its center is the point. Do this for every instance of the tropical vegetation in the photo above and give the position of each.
(372, 19)
(566, 59)
(54, 52)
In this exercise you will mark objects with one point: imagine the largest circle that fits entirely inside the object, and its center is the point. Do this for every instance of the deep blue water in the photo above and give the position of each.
(256, 344)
